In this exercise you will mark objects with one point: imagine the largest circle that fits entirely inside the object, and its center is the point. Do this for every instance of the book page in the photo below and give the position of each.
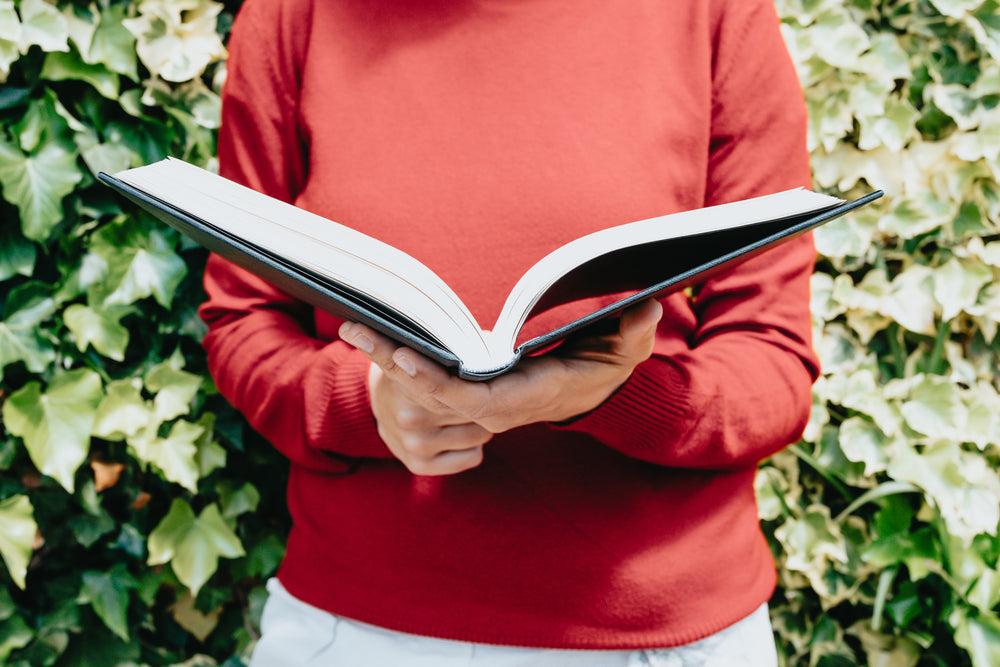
(547, 271)
(330, 249)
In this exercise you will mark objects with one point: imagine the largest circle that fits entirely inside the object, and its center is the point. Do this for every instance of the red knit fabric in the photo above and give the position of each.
(479, 135)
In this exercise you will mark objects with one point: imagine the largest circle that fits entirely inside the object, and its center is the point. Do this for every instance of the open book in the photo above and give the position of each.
(356, 277)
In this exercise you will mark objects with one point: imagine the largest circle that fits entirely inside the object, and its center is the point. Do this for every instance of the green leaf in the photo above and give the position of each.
(177, 41)
(983, 424)
(56, 425)
(847, 236)
(211, 455)
(21, 334)
(107, 593)
(192, 545)
(88, 529)
(204, 104)
(881, 491)
(14, 634)
(123, 412)
(149, 138)
(10, 37)
(81, 24)
(961, 485)
(265, 557)
(17, 254)
(98, 647)
(813, 544)
(893, 128)
(864, 442)
(17, 536)
(101, 329)
(985, 594)
(911, 301)
(861, 391)
(42, 122)
(36, 184)
(19, 345)
(175, 455)
(838, 40)
(979, 634)
(919, 214)
(71, 67)
(936, 408)
(956, 8)
(174, 389)
(886, 59)
(238, 501)
(986, 27)
(114, 45)
(7, 605)
(105, 156)
(957, 285)
(906, 605)
(137, 267)
(917, 551)
(42, 24)
(885, 650)
(200, 625)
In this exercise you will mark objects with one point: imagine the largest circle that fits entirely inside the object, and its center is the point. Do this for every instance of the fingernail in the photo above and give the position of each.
(360, 341)
(363, 343)
(403, 362)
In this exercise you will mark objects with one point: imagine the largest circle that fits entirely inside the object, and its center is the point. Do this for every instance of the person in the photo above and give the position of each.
(596, 505)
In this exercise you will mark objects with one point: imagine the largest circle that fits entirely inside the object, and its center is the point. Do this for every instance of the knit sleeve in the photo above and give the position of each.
(739, 389)
(306, 396)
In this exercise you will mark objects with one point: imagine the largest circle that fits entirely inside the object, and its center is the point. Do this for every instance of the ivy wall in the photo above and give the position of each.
(139, 517)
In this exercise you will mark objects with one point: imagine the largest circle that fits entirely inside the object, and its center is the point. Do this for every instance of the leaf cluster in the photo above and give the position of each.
(138, 515)
(884, 518)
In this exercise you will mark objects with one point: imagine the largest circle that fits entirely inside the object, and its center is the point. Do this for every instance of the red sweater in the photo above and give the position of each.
(478, 135)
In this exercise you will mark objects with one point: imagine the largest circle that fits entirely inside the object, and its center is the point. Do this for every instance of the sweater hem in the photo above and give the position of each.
(566, 639)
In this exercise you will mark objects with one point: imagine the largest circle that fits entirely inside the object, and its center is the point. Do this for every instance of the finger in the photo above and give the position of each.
(375, 346)
(419, 378)
(641, 317)
(633, 338)
(638, 327)
(429, 444)
(448, 463)
(432, 386)
(381, 351)
(412, 416)
(437, 451)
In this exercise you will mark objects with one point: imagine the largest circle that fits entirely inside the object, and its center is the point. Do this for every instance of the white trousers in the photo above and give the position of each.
(296, 634)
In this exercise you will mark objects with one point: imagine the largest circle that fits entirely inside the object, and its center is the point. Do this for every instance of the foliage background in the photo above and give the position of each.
(139, 517)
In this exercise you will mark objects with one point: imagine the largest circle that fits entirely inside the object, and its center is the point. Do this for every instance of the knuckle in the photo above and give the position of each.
(472, 459)
(483, 411)
(434, 389)
(410, 418)
(492, 426)
(413, 444)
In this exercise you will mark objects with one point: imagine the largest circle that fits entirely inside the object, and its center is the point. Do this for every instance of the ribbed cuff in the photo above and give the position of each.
(649, 410)
(342, 420)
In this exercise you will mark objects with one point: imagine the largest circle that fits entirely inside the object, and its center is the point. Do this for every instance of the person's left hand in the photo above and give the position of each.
(554, 387)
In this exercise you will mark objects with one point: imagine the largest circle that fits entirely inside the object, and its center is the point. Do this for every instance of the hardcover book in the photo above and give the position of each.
(359, 278)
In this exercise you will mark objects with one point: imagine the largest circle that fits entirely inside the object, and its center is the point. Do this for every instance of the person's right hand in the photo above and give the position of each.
(428, 439)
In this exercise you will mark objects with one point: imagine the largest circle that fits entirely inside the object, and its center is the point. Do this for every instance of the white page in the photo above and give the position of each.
(533, 284)
(325, 247)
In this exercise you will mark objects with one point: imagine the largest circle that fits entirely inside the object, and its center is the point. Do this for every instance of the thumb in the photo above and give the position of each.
(638, 325)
